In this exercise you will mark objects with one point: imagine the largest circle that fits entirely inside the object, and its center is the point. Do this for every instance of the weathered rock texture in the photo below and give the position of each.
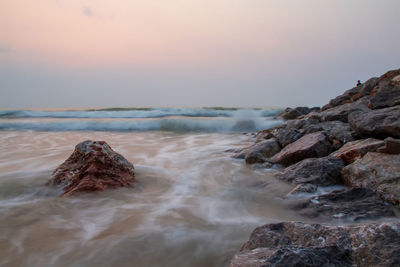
(93, 166)
(387, 91)
(318, 171)
(379, 123)
(260, 151)
(299, 244)
(312, 145)
(356, 149)
(293, 113)
(378, 171)
(346, 204)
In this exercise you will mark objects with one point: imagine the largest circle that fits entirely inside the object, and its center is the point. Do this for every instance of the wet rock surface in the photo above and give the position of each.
(353, 204)
(313, 145)
(372, 244)
(93, 166)
(377, 171)
(261, 151)
(317, 171)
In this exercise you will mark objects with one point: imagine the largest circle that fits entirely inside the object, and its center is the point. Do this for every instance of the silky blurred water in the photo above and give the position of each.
(193, 204)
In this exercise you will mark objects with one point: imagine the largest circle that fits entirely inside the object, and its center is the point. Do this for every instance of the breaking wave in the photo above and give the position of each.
(134, 113)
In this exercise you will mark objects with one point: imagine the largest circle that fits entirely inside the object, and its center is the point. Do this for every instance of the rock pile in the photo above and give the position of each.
(352, 141)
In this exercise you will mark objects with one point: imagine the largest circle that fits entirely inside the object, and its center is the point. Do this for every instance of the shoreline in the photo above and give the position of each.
(352, 141)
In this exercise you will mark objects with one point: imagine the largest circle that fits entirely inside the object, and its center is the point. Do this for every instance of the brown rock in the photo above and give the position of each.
(299, 244)
(387, 91)
(377, 171)
(392, 146)
(342, 112)
(356, 149)
(93, 166)
(314, 145)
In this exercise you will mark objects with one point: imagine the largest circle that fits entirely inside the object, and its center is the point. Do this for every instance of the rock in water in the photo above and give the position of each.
(93, 166)
(299, 244)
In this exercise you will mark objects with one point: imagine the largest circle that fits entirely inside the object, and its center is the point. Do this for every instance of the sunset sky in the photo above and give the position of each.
(102, 53)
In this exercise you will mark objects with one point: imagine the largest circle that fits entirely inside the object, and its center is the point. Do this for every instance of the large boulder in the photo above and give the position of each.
(318, 171)
(300, 244)
(377, 171)
(314, 145)
(293, 113)
(387, 91)
(93, 166)
(356, 149)
(259, 152)
(353, 204)
(378, 123)
(342, 112)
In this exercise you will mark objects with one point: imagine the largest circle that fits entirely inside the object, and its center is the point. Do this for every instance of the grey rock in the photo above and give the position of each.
(259, 152)
(318, 171)
(377, 171)
(379, 123)
(341, 113)
(368, 244)
(350, 204)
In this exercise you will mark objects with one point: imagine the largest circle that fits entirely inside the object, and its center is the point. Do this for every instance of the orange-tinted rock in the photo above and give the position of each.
(314, 145)
(356, 149)
(93, 166)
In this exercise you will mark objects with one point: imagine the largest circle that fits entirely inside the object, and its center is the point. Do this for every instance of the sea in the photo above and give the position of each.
(193, 204)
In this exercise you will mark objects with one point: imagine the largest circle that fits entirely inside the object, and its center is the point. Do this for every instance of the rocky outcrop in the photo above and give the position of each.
(317, 171)
(387, 91)
(378, 171)
(261, 151)
(378, 123)
(289, 243)
(356, 149)
(346, 204)
(314, 145)
(93, 166)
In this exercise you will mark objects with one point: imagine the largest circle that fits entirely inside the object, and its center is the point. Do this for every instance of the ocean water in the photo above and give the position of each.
(193, 205)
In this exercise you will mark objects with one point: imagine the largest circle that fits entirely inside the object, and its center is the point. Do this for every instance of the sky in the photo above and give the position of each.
(181, 53)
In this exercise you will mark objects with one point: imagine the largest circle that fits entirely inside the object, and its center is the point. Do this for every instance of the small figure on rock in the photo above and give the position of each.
(358, 83)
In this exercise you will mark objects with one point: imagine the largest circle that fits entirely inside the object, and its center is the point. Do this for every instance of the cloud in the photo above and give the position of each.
(87, 11)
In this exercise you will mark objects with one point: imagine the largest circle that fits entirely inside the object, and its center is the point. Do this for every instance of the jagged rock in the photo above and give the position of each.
(376, 123)
(366, 89)
(377, 171)
(314, 145)
(392, 146)
(342, 112)
(318, 171)
(387, 91)
(373, 244)
(356, 149)
(337, 130)
(350, 204)
(293, 113)
(259, 152)
(93, 166)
